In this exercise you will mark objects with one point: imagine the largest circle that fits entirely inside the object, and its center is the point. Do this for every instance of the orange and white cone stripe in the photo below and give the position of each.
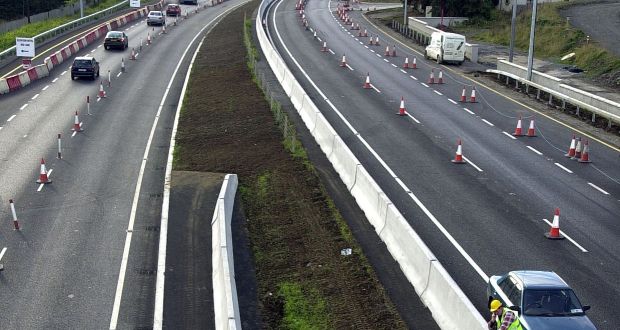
(554, 232)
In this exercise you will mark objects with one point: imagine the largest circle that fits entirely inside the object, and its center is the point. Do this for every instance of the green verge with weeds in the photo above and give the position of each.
(304, 307)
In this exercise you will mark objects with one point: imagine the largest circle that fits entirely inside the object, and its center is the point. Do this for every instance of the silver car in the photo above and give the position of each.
(542, 299)
(156, 17)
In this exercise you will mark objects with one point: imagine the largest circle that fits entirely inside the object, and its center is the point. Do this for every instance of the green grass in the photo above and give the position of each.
(304, 308)
(7, 40)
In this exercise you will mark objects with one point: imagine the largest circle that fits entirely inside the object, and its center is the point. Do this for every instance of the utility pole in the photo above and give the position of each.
(81, 8)
(405, 20)
(530, 55)
(513, 29)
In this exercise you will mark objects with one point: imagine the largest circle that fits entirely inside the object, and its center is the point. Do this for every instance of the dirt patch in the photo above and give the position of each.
(295, 234)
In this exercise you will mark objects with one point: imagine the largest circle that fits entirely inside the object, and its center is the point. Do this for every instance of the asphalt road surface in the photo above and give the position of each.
(601, 21)
(484, 217)
(70, 266)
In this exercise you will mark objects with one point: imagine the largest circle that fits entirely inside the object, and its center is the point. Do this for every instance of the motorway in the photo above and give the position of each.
(85, 256)
(482, 218)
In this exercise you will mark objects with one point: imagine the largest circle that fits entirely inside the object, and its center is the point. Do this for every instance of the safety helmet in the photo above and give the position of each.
(495, 304)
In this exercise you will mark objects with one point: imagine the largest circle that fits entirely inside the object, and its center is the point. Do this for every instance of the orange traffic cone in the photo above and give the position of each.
(440, 79)
(519, 129)
(458, 158)
(577, 149)
(324, 48)
(431, 77)
(463, 97)
(43, 174)
(531, 131)
(371, 41)
(77, 125)
(414, 65)
(101, 91)
(401, 109)
(406, 65)
(585, 154)
(365, 33)
(133, 54)
(472, 98)
(387, 51)
(367, 83)
(377, 41)
(571, 149)
(554, 232)
(343, 63)
(148, 38)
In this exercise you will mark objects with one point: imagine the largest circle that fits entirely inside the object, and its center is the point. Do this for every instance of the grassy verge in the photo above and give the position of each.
(7, 40)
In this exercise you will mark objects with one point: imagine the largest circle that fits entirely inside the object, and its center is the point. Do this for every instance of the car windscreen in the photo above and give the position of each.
(82, 64)
(115, 35)
(155, 13)
(551, 302)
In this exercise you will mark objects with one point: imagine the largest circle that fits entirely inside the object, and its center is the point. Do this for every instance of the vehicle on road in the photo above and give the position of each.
(85, 66)
(446, 47)
(191, 2)
(173, 10)
(156, 17)
(116, 39)
(541, 299)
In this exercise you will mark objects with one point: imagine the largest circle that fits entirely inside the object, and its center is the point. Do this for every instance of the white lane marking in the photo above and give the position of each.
(331, 51)
(414, 78)
(534, 150)
(597, 188)
(0, 128)
(361, 43)
(55, 79)
(11, 118)
(487, 122)
(412, 117)
(94, 50)
(417, 201)
(2, 252)
(452, 101)
(425, 85)
(403, 71)
(49, 173)
(471, 112)
(35, 96)
(509, 135)
(568, 237)
(365, 46)
(372, 50)
(375, 88)
(119, 74)
(394, 65)
(472, 164)
(46, 87)
(349, 67)
(63, 73)
(319, 38)
(437, 92)
(24, 106)
(137, 55)
(99, 46)
(562, 167)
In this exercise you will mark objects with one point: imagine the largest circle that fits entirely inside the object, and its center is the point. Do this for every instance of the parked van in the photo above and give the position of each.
(446, 47)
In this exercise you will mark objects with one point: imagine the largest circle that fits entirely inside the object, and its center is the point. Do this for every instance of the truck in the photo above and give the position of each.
(446, 47)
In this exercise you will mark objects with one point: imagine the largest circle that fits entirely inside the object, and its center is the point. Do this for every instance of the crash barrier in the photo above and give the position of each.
(562, 92)
(22, 79)
(436, 288)
(225, 303)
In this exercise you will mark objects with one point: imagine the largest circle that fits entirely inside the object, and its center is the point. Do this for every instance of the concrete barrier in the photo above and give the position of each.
(42, 70)
(4, 86)
(324, 134)
(225, 303)
(14, 83)
(24, 78)
(471, 52)
(32, 74)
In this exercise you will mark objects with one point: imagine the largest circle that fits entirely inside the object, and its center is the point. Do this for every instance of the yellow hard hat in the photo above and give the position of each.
(495, 304)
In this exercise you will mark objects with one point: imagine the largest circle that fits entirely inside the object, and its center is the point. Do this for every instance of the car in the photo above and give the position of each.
(156, 17)
(85, 66)
(116, 39)
(191, 2)
(173, 10)
(541, 299)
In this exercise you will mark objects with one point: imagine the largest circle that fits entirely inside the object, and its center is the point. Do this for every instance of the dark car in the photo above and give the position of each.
(541, 299)
(191, 2)
(173, 10)
(84, 66)
(116, 39)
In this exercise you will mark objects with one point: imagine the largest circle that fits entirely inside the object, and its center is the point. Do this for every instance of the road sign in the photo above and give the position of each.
(134, 3)
(24, 47)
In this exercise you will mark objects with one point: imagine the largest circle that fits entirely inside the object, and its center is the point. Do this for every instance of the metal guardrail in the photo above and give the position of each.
(67, 26)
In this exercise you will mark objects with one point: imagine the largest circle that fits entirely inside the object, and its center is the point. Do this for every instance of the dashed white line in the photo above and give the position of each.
(452, 101)
(568, 238)
(361, 43)
(35, 96)
(564, 168)
(99, 46)
(46, 87)
(412, 77)
(437, 92)
(349, 67)
(319, 38)
(403, 71)
(331, 51)
(11, 118)
(385, 59)
(94, 50)
(597, 188)
(365, 46)
(425, 85)
(372, 50)
(472, 164)
(49, 173)
(394, 65)
(119, 74)
(24, 106)
(534, 150)
(509, 135)
(63, 73)
(412, 117)
(375, 88)
(55, 79)
(488, 122)
(471, 112)
(137, 55)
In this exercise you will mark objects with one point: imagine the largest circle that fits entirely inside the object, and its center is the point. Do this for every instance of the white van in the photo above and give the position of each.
(446, 47)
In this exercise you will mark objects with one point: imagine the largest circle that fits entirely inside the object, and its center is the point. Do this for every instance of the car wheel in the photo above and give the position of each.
(439, 60)
(72, 77)
(97, 73)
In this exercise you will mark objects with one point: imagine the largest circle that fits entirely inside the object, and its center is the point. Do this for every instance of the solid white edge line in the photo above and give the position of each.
(508, 135)
(597, 188)
(472, 164)
(534, 150)
(487, 122)
(564, 168)
(443, 230)
(568, 238)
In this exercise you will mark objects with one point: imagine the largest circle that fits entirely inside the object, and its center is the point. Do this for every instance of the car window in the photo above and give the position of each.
(82, 63)
(115, 35)
(511, 289)
(554, 302)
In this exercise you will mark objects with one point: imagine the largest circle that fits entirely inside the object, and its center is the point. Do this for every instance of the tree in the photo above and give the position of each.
(460, 8)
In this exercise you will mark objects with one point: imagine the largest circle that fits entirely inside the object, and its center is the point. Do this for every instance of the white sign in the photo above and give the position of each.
(429, 11)
(24, 47)
(134, 3)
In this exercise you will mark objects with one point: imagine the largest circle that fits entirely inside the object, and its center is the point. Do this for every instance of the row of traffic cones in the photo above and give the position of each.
(531, 131)
(431, 77)
(579, 151)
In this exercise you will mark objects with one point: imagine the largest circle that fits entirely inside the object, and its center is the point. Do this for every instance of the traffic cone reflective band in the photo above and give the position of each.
(463, 97)
(401, 109)
(577, 149)
(431, 77)
(133, 54)
(43, 174)
(414, 65)
(585, 154)
(406, 65)
(554, 232)
(571, 149)
(519, 129)
(440, 79)
(324, 48)
(387, 51)
(458, 158)
(367, 83)
(15, 222)
(77, 126)
(343, 63)
(472, 98)
(531, 131)
(101, 91)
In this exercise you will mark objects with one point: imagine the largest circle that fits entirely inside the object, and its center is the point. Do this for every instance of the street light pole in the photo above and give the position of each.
(81, 9)
(513, 29)
(530, 55)
(405, 21)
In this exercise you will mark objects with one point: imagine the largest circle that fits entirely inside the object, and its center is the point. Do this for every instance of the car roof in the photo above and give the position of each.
(87, 58)
(537, 279)
(173, 5)
(154, 12)
(111, 32)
